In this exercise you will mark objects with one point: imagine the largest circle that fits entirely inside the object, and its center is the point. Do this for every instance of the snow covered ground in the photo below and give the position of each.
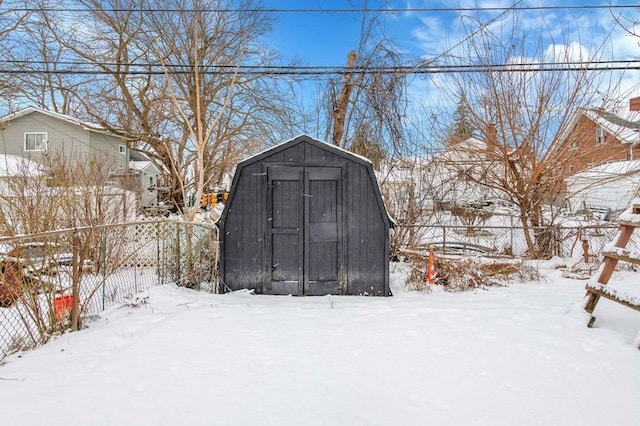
(516, 355)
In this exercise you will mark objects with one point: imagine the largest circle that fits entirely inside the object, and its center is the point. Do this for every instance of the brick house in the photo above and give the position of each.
(595, 137)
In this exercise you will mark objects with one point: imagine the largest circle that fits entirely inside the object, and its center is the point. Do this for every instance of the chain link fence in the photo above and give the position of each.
(54, 281)
(43, 276)
(570, 242)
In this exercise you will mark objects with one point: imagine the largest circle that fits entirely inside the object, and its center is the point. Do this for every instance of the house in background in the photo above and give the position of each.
(35, 133)
(414, 187)
(456, 172)
(147, 176)
(595, 137)
(605, 190)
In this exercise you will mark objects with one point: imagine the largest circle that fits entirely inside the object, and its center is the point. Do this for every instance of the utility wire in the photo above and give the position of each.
(310, 71)
(302, 67)
(354, 10)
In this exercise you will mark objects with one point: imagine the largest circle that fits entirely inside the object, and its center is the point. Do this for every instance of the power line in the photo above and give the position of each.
(354, 10)
(184, 69)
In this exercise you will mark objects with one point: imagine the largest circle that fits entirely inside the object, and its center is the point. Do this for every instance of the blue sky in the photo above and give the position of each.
(325, 38)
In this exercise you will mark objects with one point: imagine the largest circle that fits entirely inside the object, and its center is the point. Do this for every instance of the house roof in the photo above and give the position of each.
(142, 165)
(617, 168)
(71, 120)
(623, 124)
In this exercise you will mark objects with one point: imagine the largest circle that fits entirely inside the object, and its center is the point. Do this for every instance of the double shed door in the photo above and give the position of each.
(305, 229)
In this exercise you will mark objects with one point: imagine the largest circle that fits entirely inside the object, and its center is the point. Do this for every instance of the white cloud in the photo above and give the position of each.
(572, 52)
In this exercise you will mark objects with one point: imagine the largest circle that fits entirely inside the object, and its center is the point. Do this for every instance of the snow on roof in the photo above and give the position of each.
(14, 165)
(139, 165)
(94, 127)
(617, 168)
(622, 124)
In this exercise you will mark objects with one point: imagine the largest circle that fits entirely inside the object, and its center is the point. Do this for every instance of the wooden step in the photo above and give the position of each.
(630, 217)
(624, 255)
(628, 223)
(610, 293)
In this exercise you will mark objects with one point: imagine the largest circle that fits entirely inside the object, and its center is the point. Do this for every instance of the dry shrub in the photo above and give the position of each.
(468, 274)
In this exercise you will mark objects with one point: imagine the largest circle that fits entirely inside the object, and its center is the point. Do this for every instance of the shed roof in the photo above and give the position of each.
(321, 145)
(300, 139)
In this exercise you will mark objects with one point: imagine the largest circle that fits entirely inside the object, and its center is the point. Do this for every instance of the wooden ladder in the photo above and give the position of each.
(629, 221)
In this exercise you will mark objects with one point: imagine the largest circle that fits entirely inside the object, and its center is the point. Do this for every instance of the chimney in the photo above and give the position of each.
(491, 135)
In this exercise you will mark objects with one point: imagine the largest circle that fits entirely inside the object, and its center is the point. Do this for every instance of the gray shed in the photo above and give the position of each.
(305, 218)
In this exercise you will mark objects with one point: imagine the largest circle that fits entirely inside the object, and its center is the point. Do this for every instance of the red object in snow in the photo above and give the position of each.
(62, 305)
(431, 267)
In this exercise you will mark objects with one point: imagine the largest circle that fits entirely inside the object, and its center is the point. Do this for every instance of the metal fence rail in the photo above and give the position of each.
(510, 240)
(99, 267)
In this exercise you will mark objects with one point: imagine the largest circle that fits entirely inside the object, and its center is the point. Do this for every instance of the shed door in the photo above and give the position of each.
(286, 236)
(322, 230)
(305, 230)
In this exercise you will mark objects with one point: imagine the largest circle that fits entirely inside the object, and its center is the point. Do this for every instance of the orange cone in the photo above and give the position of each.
(431, 267)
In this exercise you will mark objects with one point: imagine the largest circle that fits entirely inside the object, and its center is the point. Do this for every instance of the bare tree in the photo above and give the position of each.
(13, 15)
(169, 82)
(366, 104)
(520, 111)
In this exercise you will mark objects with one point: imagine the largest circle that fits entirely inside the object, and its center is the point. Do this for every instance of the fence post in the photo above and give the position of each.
(136, 261)
(75, 286)
(511, 231)
(158, 253)
(444, 239)
(178, 255)
(103, 266)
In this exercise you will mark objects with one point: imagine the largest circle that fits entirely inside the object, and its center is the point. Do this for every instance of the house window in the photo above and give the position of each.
(571, 168)
(35, 141)
(122, 149)
(574, 144)
(600, 136)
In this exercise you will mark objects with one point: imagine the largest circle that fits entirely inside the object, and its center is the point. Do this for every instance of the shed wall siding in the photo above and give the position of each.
(365, 234)
(244, 231)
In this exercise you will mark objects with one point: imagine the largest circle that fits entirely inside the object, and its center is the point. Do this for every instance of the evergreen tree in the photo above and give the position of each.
(462, 128)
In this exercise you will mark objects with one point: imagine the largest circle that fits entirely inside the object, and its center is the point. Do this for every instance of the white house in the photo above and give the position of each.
(606, 188)
(415, 186)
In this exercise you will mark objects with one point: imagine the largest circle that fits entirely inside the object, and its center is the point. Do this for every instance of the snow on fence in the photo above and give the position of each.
(105, 265)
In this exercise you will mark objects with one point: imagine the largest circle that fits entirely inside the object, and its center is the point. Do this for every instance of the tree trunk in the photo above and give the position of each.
(340, 106)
